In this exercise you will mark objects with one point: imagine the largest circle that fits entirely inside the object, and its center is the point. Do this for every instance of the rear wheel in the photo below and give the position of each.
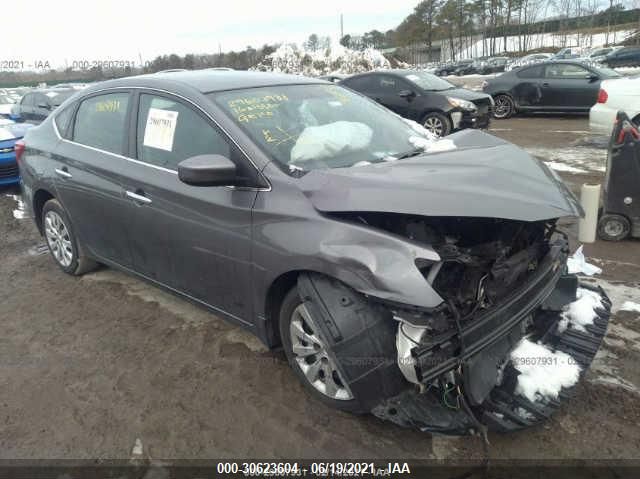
(504, 107)
(613, 227)
(437, 123)
(310, 355)
(61, 240)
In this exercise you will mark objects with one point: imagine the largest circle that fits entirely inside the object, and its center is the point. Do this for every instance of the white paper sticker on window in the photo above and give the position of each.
(160, 129)
(51, 94)
(413, 77)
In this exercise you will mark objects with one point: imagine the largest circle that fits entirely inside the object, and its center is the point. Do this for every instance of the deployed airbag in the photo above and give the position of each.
(317, 142)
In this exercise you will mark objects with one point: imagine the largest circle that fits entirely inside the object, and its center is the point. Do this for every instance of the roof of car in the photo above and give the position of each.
(208, 81)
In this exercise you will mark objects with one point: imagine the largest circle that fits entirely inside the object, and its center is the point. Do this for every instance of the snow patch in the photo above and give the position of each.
(291, 58)
(543, 373)
(577, 263)
(554, 165)
(630, 306)
(582, 311)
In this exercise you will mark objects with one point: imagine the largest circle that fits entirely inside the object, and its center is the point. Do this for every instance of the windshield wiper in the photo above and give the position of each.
(409, 154)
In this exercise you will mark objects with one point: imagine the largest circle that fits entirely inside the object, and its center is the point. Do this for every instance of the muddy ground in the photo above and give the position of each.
(89, 365)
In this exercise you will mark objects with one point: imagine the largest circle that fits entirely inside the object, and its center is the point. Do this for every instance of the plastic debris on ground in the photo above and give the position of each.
(582, 311)
(543, 372)
(577, 264)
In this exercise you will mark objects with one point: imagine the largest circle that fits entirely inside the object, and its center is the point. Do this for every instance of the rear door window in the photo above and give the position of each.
(101, 122)
(531, 72)
(169, 131)
(566, 71)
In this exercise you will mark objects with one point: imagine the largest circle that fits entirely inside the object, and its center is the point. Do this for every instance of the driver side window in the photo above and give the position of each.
(170, 131)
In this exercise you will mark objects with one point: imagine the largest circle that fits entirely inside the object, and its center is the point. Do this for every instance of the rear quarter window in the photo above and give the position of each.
(531, 72)
(63, 121)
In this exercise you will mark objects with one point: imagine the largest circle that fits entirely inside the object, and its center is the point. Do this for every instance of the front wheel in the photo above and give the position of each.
(504, 107)
(437, 123)
(310, 355)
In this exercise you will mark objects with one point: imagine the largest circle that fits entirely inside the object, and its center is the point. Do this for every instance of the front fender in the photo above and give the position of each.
(371, 261)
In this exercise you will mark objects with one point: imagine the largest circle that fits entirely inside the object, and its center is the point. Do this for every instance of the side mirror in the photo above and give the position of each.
(208, 170)
(44, 106)
(406, 94)
(592, 77)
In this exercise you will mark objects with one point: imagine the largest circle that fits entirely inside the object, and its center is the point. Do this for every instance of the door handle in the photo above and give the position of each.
(137, 197)
(64, 173)
(545, 84)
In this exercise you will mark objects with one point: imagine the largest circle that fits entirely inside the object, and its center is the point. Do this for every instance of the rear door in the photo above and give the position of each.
(568, 86)
(42, 107)
(89, 167)
(194, 239)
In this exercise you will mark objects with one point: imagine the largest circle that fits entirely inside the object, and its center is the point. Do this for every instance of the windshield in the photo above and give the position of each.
(306, 127)
(426, 81)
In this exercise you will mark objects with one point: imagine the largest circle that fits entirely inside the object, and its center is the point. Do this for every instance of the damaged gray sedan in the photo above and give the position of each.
(421, 280)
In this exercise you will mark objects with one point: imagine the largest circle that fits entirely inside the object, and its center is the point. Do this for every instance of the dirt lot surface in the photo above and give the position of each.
(90, 365)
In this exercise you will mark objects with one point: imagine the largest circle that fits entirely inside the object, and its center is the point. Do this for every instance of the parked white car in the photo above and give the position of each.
(615, 95)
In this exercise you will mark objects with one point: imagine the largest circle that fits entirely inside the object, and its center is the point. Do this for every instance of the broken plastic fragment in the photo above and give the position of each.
(543, 373)
(577, 263)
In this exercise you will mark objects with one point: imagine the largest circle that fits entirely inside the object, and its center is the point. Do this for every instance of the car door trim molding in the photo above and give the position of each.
(167, 170)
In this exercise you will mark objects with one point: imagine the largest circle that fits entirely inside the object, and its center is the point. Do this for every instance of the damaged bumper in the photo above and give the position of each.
(487, 375)
(465, 379)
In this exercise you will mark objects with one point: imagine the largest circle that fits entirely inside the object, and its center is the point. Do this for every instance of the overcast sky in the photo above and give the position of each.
(74, 30)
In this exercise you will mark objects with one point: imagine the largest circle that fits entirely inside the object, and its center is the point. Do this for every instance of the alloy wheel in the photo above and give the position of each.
(502, 108)
(434, 125)
(58, 238)
(310, 353)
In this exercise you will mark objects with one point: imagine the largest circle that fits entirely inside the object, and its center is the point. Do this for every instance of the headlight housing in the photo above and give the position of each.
(460, 103)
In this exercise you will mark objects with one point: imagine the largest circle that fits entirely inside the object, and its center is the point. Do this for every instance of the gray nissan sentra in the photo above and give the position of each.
(402, 275)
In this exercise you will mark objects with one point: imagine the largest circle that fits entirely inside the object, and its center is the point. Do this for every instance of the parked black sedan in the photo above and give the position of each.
(438, 105)
(398, 281)
(563, 86)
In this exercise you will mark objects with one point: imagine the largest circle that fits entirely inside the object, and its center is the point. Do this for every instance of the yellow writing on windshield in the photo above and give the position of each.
(252, 108)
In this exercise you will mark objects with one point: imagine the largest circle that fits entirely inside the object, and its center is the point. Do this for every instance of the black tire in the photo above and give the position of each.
(79, 263)
(432, 119)
(504, 107)
(612, 227)
(289, 304)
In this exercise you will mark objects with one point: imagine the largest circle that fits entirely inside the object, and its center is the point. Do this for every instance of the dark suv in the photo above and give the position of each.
(438, 105)
(36, 105)
(399, 273)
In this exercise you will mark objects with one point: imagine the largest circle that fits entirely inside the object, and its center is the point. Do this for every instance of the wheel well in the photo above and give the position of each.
(39, 199)
(275, 295)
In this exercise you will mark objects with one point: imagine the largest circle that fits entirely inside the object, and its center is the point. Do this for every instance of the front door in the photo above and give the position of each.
(195, 239)
(568, 86)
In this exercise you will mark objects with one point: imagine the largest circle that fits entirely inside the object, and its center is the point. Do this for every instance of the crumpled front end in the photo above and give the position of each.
(510, 316)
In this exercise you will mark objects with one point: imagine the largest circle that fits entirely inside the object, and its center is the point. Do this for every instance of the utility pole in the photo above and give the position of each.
(341, 26)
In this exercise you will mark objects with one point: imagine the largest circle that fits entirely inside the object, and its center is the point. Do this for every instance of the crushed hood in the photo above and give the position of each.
(483, 177)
